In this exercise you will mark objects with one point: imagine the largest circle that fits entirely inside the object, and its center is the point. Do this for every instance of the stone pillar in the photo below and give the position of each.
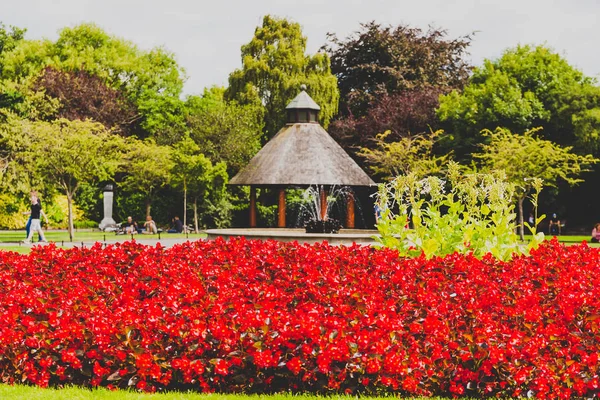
(252, 207)
(281, 209)
(350, 210)
(108, 208)
(323, 194)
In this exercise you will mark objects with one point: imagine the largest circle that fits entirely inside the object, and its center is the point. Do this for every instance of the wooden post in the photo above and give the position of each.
(281, 209)
(252, 207)
(350, 210)
(323, 194)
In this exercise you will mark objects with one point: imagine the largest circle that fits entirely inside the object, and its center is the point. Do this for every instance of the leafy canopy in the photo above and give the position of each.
(379, 60)
(274, 65)
(390, 79)
(525, 88)
(408, 155)
(526, 156)
(150, 80)
(225, 131)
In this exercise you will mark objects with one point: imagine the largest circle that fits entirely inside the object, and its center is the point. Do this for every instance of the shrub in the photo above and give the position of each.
(260, 317)
(462, 213)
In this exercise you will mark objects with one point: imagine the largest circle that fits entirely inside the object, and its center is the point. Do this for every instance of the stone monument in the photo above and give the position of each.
(108, 220)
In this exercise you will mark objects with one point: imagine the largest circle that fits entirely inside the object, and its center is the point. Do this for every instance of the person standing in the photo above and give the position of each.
(35, 213)
(28, 224)
(554, 226)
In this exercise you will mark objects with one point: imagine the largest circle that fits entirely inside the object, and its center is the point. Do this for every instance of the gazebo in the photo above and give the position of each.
(301, 154)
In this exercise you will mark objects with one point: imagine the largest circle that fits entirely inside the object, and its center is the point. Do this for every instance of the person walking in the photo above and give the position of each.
(35, 213)
(28, 224)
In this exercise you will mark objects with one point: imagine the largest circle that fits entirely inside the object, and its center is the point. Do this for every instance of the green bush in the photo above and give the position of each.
(462, 213)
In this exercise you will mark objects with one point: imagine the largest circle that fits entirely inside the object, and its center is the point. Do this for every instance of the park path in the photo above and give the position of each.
(165, 241)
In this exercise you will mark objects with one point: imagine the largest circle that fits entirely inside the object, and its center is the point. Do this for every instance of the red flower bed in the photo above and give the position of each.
(263, 317)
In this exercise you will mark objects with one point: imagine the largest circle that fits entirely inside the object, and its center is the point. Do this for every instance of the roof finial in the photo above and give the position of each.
(303, 87)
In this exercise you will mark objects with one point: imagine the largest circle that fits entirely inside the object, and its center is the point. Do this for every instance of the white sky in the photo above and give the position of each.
(206, 36)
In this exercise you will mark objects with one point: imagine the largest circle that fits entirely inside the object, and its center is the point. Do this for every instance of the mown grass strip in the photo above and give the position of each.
(20, 392)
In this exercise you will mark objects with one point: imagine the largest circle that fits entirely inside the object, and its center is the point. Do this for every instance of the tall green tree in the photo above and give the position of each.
(9, 37)
(225, 131)
(147, 169)
(525, 88)
(151, 80)
(68, 154)
(274, 65)
(524, 157)
(195, 174)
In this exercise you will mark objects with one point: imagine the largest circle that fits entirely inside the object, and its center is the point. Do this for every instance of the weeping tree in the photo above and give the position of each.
(274, 65)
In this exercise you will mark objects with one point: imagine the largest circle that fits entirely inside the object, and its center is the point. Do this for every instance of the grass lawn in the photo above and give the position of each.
(72, 393)
(89, 236)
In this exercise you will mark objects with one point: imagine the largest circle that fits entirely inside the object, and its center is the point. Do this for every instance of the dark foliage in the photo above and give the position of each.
(85, 96)
(404, 114)
(391, 79)
(381, 60)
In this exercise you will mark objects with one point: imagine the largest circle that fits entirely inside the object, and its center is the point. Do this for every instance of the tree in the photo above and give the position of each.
(85, 96)
(147, 168)
(225, 131)
(409, 155)
(8, 41)
(274, 65)
(526, 157)
(150, 80)
(525, 88)
(193, 172)
(379, 60)
(9, 38)
(390, 79)
(401, 114)
(70, 153)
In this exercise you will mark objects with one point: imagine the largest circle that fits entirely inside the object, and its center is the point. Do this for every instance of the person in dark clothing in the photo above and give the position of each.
(554, 226)
(177, 226)
(36, 226)
(130, 226)
(28, 224)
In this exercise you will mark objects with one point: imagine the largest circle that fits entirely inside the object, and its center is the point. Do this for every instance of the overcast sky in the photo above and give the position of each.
(206, 36)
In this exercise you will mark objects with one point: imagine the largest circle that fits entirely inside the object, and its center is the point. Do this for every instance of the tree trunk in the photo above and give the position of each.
(70, 213)
(521, 219)
(184, 204)
(196, 214)
(148, 205)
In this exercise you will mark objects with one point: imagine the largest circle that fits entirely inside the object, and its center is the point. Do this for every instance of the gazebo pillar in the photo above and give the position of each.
(252, 207)
(281, 209)
(323, 194)
(350, 210)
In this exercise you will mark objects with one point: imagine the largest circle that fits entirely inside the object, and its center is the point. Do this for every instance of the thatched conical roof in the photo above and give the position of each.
(302, 155)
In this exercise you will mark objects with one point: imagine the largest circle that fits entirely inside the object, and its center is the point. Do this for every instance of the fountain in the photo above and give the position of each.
(315, 212)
